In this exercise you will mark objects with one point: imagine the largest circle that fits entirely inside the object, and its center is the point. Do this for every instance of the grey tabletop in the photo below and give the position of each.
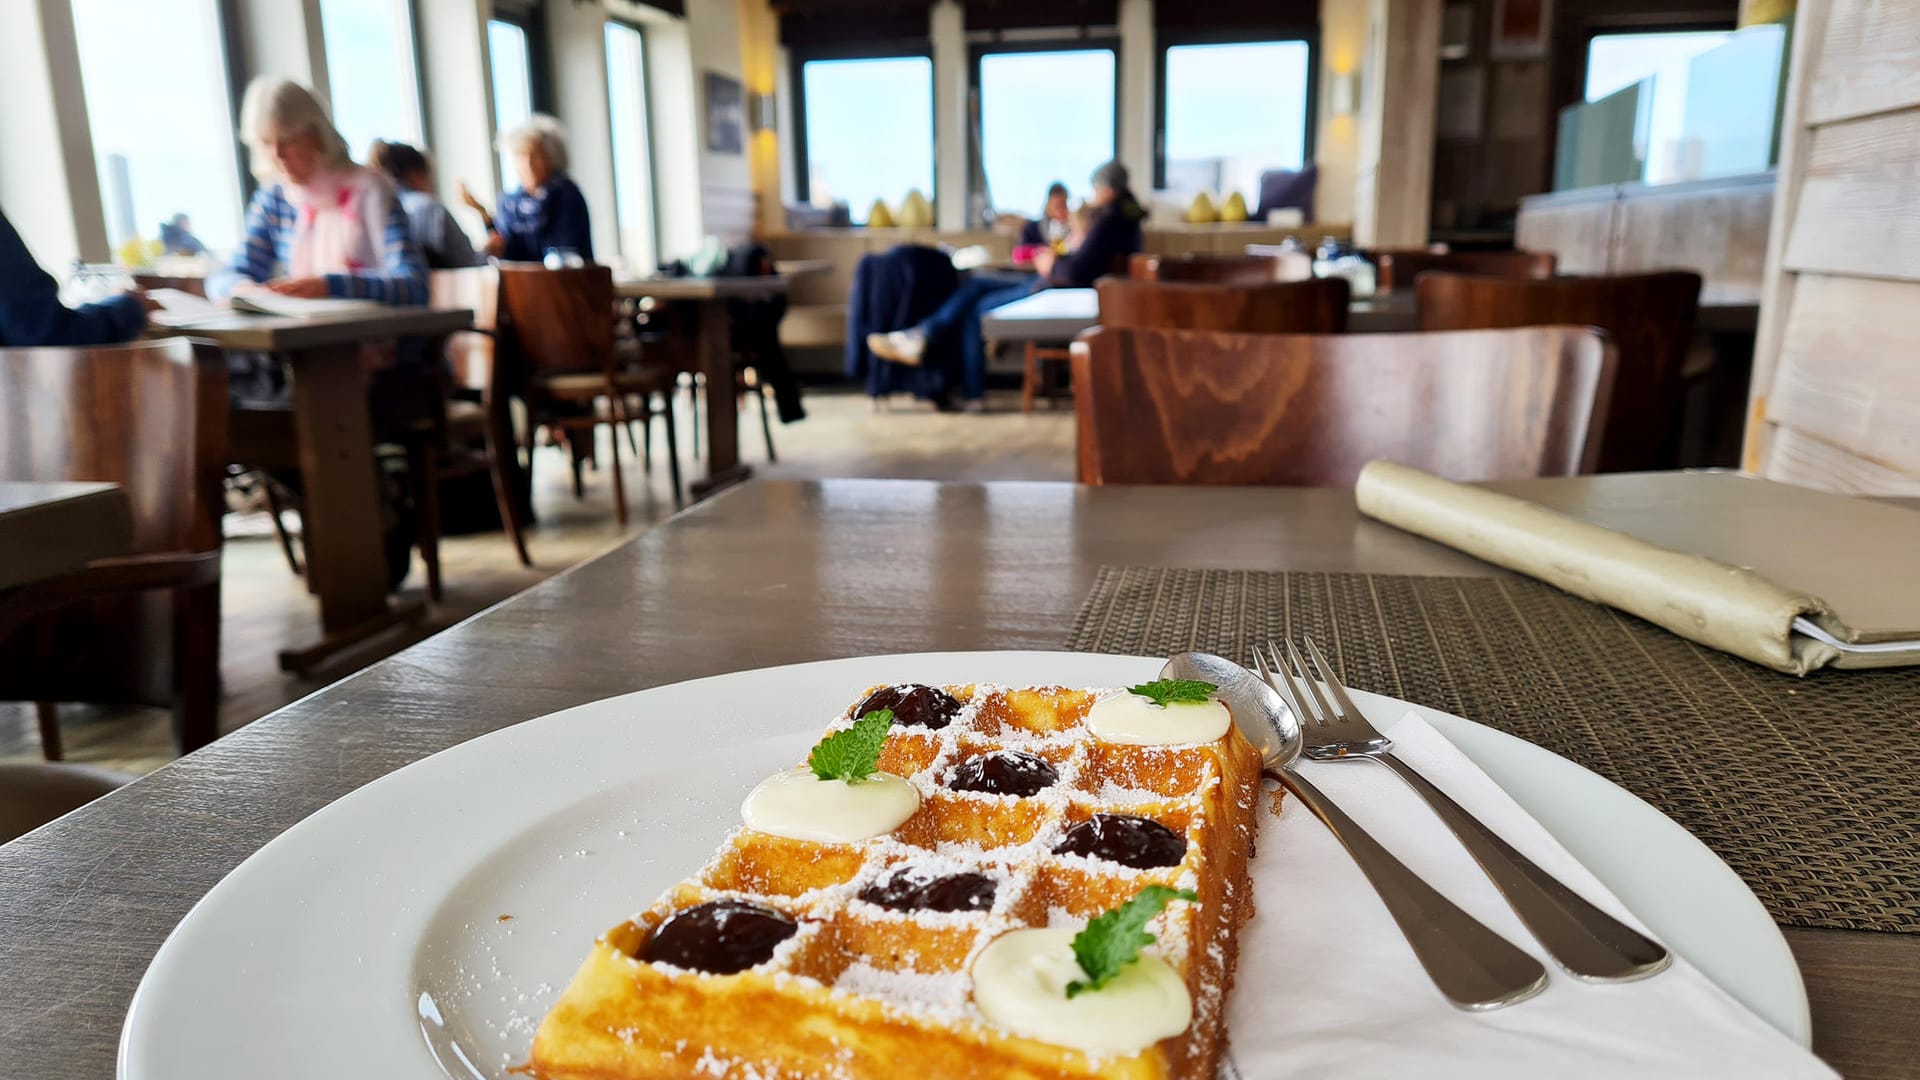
(759, 287)
(266, 333)
(768, 573)
(50, 528)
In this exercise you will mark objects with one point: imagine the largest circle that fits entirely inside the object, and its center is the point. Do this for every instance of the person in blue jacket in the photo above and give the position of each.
(547, 209)
(31, 312)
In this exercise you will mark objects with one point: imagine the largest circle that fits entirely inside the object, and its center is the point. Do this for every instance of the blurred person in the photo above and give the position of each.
(1113, 235)
(176, 237)
(546, 210)
(31, 312)
(319, 225)
(441, 240)
(1050, 228)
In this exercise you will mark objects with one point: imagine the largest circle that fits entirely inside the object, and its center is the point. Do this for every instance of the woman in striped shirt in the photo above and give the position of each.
(319, 225)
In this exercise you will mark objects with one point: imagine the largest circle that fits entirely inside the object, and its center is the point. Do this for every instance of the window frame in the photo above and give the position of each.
(1599, 30)
(653, 170)
(531, 17)
(978, 51)
(797, 118)
(412, 26)
(1165, 42)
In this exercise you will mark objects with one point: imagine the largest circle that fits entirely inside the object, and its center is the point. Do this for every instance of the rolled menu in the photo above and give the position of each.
(1723, 606)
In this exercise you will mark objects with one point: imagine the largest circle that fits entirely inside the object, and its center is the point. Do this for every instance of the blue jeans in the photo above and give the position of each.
(960, 314)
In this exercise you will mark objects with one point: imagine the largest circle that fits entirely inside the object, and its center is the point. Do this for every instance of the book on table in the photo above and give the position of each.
(179, 308)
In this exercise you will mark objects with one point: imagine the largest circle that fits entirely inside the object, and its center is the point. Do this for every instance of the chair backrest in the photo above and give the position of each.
(559, 321)
(1294, 307)
(476, 288)
(1399, 266)
(1648, 317)
(1222, 269)
(151, 417)
(1183, 407)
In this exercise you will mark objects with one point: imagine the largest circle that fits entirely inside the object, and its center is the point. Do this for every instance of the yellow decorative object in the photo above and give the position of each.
(916, 212)
(1202, 210)
(132, 253)
(1234, 209)
(879, 217)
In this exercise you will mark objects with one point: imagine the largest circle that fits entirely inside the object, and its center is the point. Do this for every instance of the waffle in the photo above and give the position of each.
(862, 990)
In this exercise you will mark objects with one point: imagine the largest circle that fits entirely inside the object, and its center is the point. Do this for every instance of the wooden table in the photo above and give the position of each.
(771, 573)
(48, 529)
(341, 519)
(710, 295)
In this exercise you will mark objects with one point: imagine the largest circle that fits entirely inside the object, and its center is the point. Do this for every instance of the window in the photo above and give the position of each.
(510, 50)
(1619, 60)
(868, 131)
(1231, 112)
(1045, 116)
(632, 145)
(371, 75)
(163, 142)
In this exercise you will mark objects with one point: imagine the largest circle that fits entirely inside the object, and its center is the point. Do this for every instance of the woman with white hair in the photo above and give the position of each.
(547, 209)
(319, 225)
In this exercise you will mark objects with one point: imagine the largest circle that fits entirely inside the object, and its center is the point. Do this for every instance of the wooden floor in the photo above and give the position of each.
(265, 608)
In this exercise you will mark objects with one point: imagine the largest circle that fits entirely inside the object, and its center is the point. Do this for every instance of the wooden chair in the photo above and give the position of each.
(1648, 317)
(1222, 269)
(475, 366)
(152, 418)
(1399, 266)
(1298, 307)
(559, 324)
(32, 794)
(1187, 407)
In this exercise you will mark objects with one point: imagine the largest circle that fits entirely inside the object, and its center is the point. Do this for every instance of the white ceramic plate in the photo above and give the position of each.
(373, 938)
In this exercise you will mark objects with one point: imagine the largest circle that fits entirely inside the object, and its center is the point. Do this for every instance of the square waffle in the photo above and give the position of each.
(861, 990)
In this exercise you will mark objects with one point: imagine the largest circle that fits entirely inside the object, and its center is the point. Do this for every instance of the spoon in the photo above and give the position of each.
(1473, 967)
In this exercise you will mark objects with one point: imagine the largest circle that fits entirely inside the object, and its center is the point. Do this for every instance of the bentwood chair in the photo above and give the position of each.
(32, 793)
(1399, 266)
(1648, 317)
(143, 628)
(559, 326)
(1316, 306)
(476, 369)
(1189, 407)
(1222, 269)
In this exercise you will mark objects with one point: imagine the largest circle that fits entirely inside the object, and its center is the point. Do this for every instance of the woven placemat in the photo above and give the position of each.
(1809, 788)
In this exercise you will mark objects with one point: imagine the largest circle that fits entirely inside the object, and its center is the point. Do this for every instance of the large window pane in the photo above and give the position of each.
(163, 140)
(512, 60)
(869, 130)
(370, 71)
(632, 145)
(1617, 60)
(1233, 112)
(1044, 116)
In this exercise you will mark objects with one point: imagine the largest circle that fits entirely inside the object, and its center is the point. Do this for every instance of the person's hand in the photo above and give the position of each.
(147, 303)
(496, 244)
(310, 288)
(467, 197)
(1043, 261)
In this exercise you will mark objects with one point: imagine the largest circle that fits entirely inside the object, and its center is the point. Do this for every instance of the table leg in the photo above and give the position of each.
(346, 552)
(724, 467)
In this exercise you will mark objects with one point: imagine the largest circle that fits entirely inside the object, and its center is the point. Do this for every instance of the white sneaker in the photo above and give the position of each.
(899, 346)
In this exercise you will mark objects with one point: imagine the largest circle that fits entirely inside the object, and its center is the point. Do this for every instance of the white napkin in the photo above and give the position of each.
(1350, 1000)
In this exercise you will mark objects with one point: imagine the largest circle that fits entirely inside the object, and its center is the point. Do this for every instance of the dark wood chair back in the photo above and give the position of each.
(1648, 317)
(560, 321)
(151, 417)
(1295, 307)
(1399, 266)
(1184, 407)
(1222, 269)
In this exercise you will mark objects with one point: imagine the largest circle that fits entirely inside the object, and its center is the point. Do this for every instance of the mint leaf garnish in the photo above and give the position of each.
(1175, 691)
(852, 755)
(1114, 940)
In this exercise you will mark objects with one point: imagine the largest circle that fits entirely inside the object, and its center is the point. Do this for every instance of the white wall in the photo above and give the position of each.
(1136, 71)
(576, 34)
(1343, 42)
(282, 38)
(947, 29)
(48, 186)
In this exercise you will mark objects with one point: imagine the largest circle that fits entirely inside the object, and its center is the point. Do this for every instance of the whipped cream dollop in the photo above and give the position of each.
(798, 805)
(1137, 721)
(1020, 983)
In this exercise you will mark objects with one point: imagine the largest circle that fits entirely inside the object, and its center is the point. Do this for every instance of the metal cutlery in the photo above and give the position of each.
(1589, 943)
(1473, 967)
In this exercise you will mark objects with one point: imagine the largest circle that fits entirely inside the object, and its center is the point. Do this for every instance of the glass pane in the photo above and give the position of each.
(158, 105)
(1044, 116)
(370, 71)
(632, 145)
(855, 107)
(1233, 112)
(512, 83)
(1617, 60)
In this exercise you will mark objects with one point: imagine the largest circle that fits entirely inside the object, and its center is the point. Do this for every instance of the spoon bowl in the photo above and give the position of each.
(1258, 710)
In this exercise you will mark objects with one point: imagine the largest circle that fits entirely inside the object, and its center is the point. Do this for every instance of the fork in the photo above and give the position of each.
(1589, 943)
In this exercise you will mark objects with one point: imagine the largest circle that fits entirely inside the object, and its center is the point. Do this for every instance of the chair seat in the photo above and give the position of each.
(588, 385)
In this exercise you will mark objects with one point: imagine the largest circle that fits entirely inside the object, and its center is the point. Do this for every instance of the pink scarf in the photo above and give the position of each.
(341, 223)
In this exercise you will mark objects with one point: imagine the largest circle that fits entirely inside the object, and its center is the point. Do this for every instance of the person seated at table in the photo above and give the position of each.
(31, 312)
(1050, 228)
(1113, 234)
(319, 225)
(547, 210)
(441, 240)
(176, 237)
